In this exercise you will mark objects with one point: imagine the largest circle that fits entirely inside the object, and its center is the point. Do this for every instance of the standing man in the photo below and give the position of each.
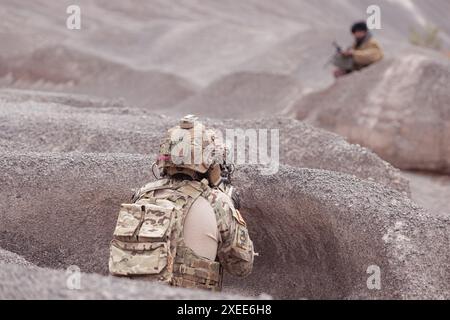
(184, 229)
(364, 52)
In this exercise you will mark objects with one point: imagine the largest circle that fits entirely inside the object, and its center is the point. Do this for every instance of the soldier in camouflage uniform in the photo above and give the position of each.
(184, 229)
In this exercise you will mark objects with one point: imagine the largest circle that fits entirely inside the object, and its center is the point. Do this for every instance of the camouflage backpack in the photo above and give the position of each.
(148, 238)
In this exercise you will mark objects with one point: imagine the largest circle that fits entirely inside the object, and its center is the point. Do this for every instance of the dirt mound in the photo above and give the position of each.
(7, 257)
(243, 95)
(336, 227)
(19, 282)
(59, 68)
(317, 244)
(33, 122)
(400, 110)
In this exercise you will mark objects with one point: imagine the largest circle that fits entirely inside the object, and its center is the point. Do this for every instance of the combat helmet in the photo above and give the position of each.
(191, 149)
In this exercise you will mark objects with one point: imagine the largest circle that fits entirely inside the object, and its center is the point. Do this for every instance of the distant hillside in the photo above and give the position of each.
(202, 41)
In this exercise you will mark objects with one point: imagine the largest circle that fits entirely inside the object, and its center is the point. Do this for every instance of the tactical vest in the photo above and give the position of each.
(148, 239)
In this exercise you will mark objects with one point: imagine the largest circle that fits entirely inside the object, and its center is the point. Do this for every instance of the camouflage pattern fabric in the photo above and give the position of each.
(184, 147)
(235, 251)
(148, 238)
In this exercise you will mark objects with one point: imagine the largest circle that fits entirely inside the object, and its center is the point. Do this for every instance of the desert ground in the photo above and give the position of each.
(364, 161)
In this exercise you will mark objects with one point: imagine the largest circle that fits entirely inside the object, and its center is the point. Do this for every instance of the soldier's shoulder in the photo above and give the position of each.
(224, 208)
(194, 188)
(374, 42)
(156, 184)
(153, 185)
(201, 205)
(218, 197)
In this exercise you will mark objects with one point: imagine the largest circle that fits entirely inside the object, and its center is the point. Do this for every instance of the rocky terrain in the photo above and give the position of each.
(7, 257)
(41, 122)
(82, 113)
(36, 283)
(413, 137)
(65, 189)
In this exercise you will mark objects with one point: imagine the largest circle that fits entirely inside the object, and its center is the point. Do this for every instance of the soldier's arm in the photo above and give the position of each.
(367, 56)
(235, 250)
